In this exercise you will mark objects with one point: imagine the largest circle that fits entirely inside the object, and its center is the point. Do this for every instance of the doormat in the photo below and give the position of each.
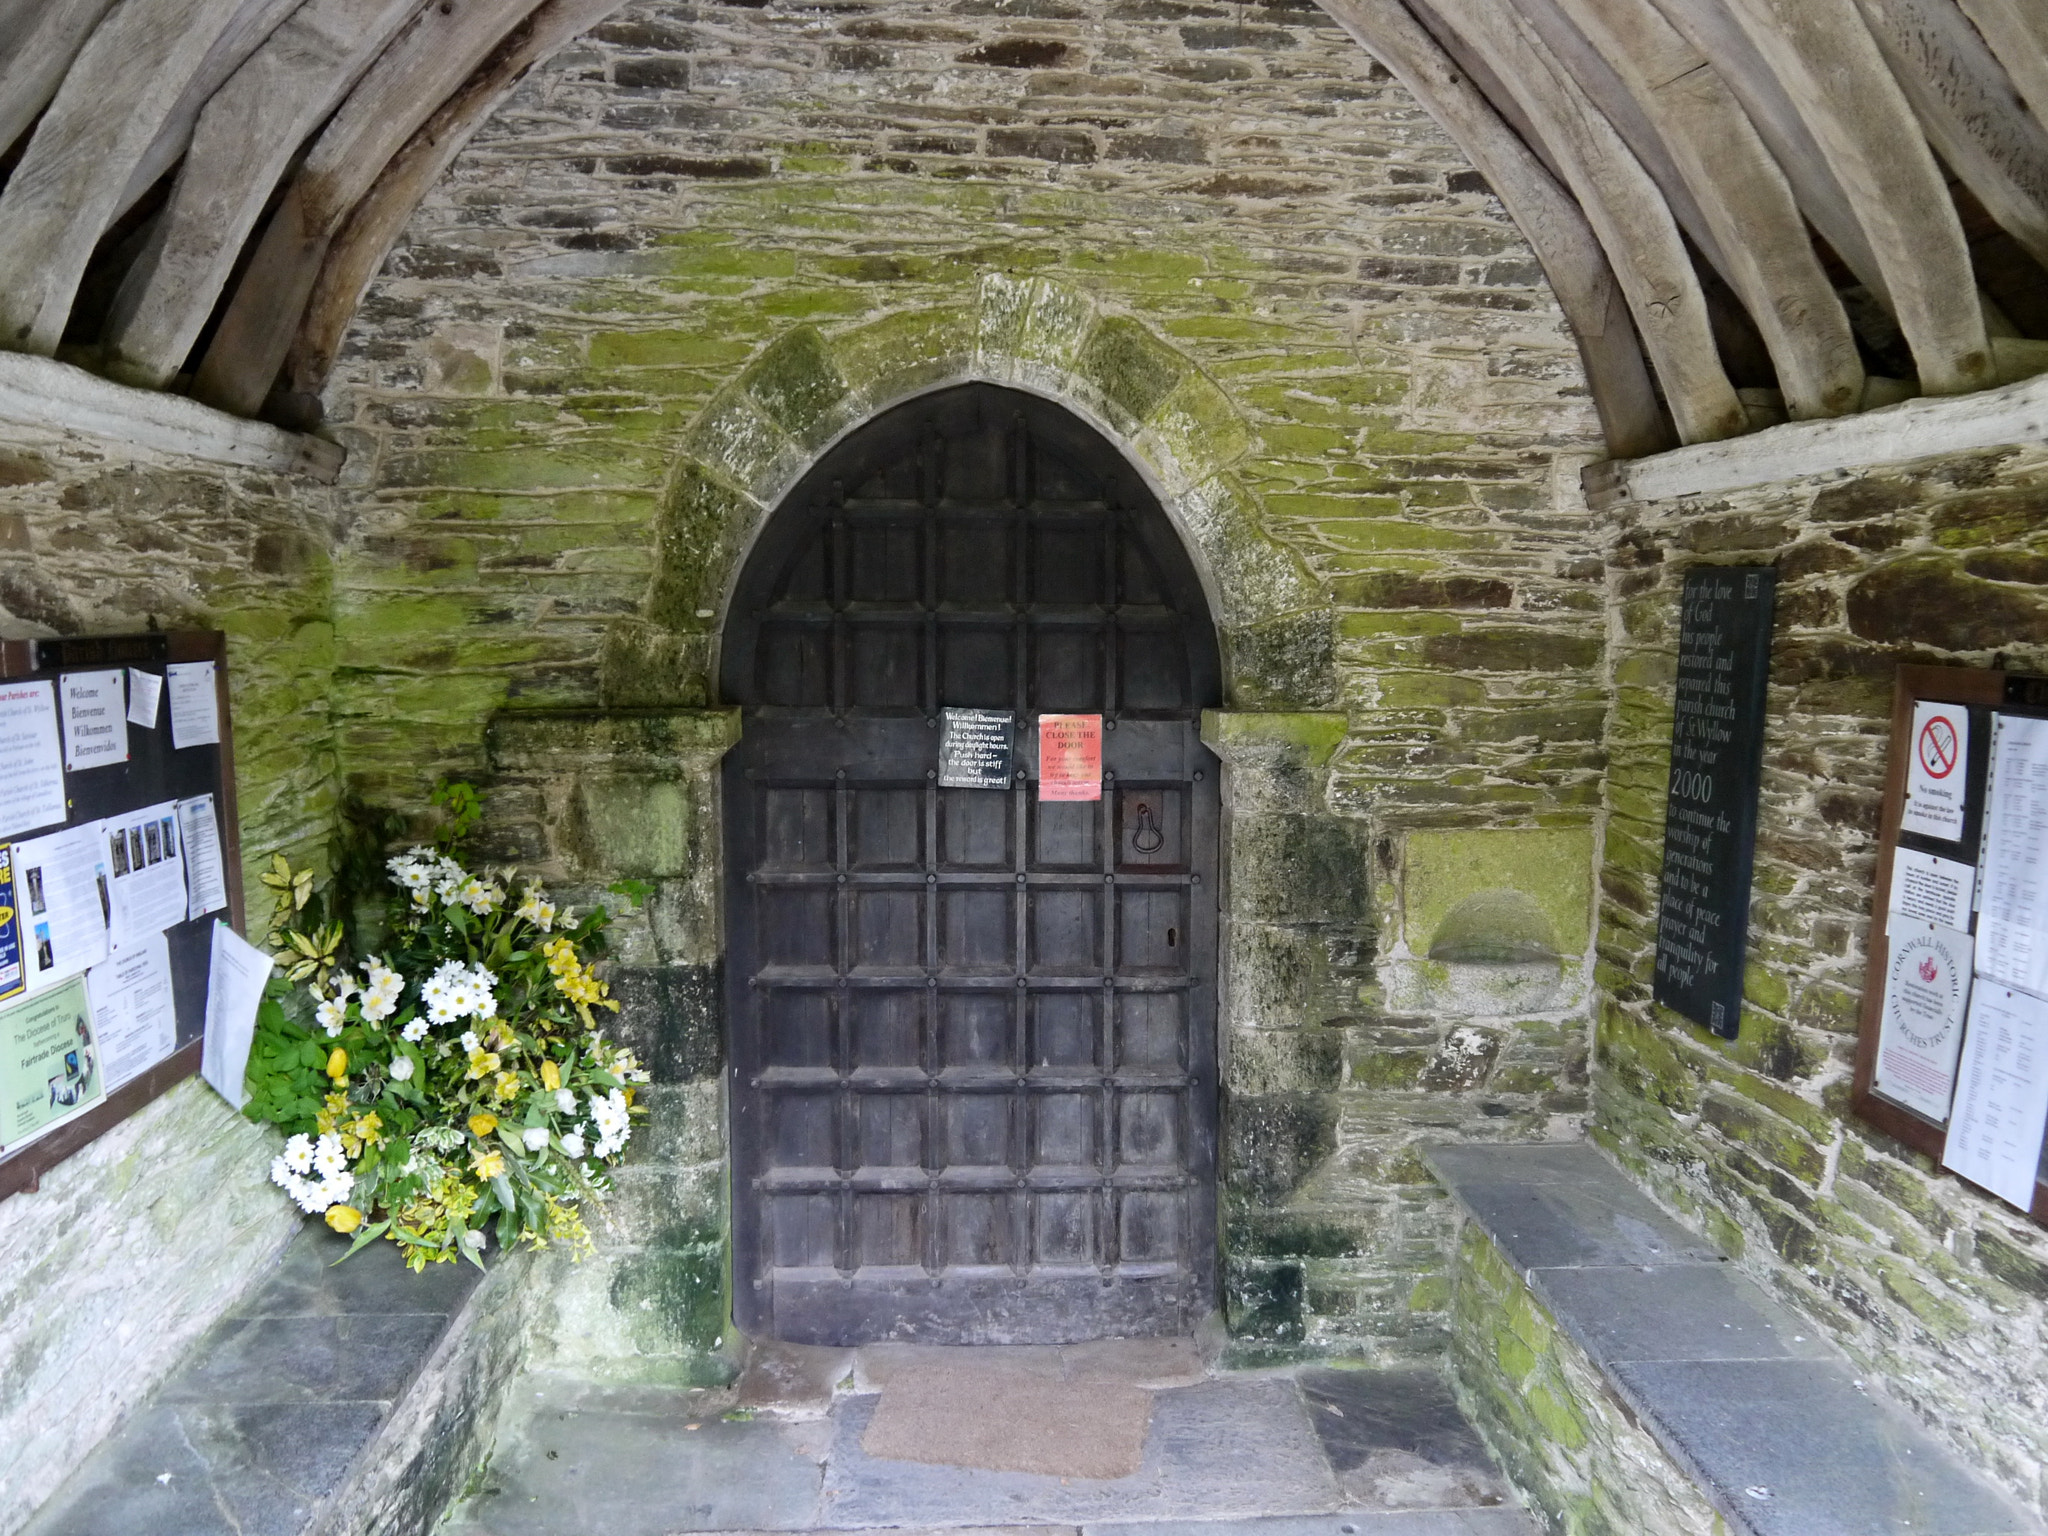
(997, 1420)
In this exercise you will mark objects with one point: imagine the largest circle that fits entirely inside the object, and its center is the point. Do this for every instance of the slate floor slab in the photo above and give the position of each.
(1234, 1455)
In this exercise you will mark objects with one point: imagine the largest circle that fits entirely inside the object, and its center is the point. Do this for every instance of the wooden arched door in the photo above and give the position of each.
(972, 1032)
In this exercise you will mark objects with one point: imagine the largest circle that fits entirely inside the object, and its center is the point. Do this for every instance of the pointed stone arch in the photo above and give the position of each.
(810, 387)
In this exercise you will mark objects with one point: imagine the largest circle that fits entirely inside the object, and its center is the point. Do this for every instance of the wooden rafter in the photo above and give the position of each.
(1554, 226)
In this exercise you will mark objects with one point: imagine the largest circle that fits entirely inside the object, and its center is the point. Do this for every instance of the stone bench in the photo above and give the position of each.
(1632, 1380)
(332, 1399)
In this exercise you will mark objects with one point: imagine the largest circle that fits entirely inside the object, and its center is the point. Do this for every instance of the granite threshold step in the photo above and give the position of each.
(1502, 1521)
(1772, 1423)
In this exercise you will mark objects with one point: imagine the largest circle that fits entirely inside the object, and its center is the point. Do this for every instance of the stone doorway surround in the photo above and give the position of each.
(630, 790)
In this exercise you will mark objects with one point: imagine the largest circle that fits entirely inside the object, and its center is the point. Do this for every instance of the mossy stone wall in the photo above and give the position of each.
(708, 238)
(1935, 1290)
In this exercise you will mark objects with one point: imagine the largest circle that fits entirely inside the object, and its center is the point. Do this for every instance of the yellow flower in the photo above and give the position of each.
(508, 1084)
(330, 1117)
(550, 1076)
(370, 1128)
(488, 1165)
(482, 1123)
(337, 1064)
(344, 1218)
(482, 1064)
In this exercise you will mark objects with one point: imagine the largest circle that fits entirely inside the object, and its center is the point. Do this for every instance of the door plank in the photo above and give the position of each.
(374, 224)
(1555, 227)
(65, 192)
(417, 73)
(1833, 70)
(1971, 111)
(245, 139)
(41, 38)
(2017, 31)
(1771, 262)
(1627, 211)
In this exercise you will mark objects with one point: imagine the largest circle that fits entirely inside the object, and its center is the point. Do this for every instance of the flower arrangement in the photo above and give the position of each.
(455, 1083)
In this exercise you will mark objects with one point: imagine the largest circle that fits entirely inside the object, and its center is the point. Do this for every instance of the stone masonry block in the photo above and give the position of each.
(1550, 867)
(632, 825)
(796, 383)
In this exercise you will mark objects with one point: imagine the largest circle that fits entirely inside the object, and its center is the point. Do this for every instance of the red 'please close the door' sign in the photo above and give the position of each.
(1070, 757)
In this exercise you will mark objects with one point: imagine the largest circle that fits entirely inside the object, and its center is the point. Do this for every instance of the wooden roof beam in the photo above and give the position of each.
(119, 93)
(1970, 110)
(401, 91)
(1555, 227)
(1833, 70)
(2017, 31)
(1627, 211)
(374, 226)
(245, 139)
(1770, 260)
(43, 37)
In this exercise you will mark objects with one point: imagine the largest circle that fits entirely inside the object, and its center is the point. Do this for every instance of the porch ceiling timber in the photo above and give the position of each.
(1685, 170)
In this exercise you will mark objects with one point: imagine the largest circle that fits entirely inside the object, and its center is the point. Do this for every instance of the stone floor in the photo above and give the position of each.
(1318, 1452)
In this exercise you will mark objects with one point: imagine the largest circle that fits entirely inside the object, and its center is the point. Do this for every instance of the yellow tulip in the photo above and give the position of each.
(337, 1064)
(508, 1084)
(344, 1218)
(550, 1076)
(482, 1123)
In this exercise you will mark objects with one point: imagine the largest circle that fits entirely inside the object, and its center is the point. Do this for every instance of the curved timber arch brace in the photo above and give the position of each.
(759, 436)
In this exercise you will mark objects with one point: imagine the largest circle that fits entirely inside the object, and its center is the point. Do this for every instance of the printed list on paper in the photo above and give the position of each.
(234, 991)
(62, 893)
(206, 886)
(2012, 929)
(195, 704)
(2001, 1106)
(134, 1009)
(1932, 889)
(147, 874)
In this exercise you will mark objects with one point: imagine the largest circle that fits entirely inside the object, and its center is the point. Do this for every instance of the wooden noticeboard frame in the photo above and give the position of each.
(98, 792)
(1983, 690)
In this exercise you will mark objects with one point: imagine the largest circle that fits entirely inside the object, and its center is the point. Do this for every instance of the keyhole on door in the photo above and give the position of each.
(1148, 838)
(1172, 937)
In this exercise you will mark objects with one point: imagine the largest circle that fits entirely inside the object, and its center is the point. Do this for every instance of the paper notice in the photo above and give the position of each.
(206, 886)
(133, 1009)
(1937, 767)
(62, 891)
(974, 749)
(2012, 930)
(145, 692)
(234, 991)
(1935, 890)
(1994, 1136)
(49, 1063)
(1070, 757)
(31, 758)
(195, 704)
(95, 718)
(1926, 988)
(147, 873)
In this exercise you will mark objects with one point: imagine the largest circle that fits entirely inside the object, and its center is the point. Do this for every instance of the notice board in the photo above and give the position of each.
(1952, 1054)
(119, 850)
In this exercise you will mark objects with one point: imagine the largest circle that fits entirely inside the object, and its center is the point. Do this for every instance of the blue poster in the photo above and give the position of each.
(13, 976)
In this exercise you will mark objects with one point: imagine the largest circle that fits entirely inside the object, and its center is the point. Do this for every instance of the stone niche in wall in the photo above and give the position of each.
(1493, 921)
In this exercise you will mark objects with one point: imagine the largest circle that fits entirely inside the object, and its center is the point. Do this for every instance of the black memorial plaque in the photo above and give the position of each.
(974, 748)
(1717, 738)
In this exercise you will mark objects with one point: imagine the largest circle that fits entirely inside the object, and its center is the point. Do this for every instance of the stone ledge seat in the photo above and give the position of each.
(1772, 1424)
(282, 1418)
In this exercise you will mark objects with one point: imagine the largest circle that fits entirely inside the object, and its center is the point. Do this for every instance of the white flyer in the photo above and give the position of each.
(145, 693)
(61, 893)
(31, 758)
(234, 991)
(206, 885)
(1994, 1136)
(133, 1009)
(1926, 989)
(1937, 767)
(195, 704)
(1932, 889)
(147, 872)
(2012, 927)
(95, 718)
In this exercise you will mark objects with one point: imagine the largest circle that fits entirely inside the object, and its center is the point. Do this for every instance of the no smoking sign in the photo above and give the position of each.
(1934, 788)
